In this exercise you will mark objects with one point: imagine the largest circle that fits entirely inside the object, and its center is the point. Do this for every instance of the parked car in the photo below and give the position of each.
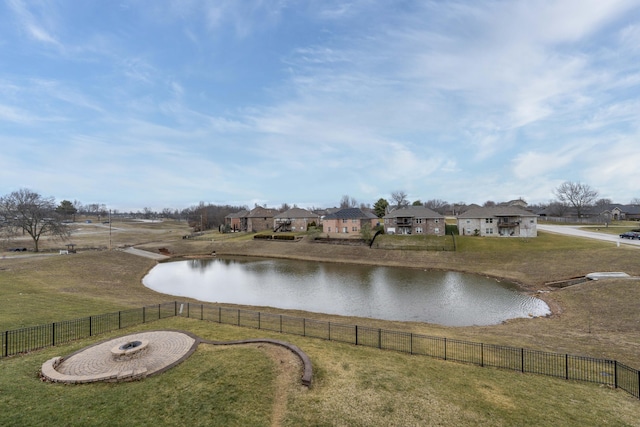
(630, 235)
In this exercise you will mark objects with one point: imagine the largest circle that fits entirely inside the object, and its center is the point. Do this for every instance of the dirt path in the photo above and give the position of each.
(288, 368)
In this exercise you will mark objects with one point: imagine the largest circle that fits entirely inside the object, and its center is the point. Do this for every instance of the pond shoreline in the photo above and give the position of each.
(306, 250)
(388, 293)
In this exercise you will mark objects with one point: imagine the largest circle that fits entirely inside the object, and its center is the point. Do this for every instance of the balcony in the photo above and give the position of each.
(404, 222)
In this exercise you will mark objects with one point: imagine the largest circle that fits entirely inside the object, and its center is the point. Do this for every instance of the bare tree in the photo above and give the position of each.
(284, 207)
(436, 205)
(399, 198)
(577, 195)
(27, 211)
(635, 201)
(489, 204)
(348, 202)
(603, 203)
(556, 208)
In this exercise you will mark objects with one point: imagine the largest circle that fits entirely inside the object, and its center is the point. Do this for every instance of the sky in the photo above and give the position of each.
(168, 103)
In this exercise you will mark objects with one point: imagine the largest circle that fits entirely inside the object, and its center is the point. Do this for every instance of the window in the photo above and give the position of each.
(329, 230)
(354, 228)
(436, 230)
(354, 221)
(468, 221)
(436, 221)
(488, 231)
(344, 230)
(419, 230)
(488, 220)
(419, 221)
(344, 221)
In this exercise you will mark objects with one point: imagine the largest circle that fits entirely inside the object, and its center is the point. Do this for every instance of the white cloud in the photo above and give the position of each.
(35, 26)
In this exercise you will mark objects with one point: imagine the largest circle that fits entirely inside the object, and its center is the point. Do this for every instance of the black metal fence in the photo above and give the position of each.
(566, 366)
(24, 340)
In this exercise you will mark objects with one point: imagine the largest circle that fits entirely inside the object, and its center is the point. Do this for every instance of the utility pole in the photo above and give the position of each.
(109, 229)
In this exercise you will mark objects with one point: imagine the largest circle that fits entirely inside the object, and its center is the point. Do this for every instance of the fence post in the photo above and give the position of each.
(522, 359)
(379, 338)
(411, 343)
(90, 326)
(566, 366)
(6, 343)
(119, 320)
(53, 334)
(219, 314)
(356, 334)
(304, 326)
(445, 349)
(188, 310)
(175, 308)
(481, 354)
(259, 321)
(615, 373)
(159, 312)
(329, 331)
(281, 323)
(201, 311)
(238, 317)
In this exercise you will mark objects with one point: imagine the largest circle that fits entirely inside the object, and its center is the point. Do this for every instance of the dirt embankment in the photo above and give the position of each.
(531, 271)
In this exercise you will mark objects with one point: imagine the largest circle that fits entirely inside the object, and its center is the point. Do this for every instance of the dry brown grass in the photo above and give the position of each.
(597, 319)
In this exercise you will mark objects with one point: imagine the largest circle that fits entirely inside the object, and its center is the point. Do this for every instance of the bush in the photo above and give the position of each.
(262, 236)
(283, 237)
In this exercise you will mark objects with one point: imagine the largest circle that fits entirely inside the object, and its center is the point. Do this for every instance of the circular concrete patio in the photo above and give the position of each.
(164, 349)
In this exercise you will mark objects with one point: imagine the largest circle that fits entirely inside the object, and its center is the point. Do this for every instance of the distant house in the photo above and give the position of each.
(295, 219)
(622, 212)
(348, 221)
(414, 220)
(259, 219)
(234, 220)
(498, 221)
(517, 202)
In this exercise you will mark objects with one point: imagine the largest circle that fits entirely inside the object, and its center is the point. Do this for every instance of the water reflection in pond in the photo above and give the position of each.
(446, 298)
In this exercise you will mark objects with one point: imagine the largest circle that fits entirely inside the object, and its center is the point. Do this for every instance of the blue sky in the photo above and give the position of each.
(162, 104)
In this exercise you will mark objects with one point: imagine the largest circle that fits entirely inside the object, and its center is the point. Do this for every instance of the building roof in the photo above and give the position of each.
(414, 212)
(351, 213)
(496, 211)
(260, 212)
(238, 214)
(297, 213)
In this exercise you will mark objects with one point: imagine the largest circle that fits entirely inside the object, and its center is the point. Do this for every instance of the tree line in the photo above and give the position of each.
(29, 213)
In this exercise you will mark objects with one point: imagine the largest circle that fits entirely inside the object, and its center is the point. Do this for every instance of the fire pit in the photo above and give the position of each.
(129, 350)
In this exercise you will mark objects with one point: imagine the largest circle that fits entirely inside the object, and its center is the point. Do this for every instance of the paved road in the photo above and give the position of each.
(571, 230)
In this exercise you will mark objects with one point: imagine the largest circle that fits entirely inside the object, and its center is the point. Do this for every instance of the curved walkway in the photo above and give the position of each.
(165, 350)
(146, 254)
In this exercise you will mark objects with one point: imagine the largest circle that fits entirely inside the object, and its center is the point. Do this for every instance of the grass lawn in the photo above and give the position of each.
(353, 386)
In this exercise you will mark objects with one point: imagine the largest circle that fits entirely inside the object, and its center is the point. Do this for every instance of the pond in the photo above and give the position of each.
(388, 293)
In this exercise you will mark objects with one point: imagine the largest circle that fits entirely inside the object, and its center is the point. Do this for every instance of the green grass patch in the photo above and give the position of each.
(216, 386)
(353, 386)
